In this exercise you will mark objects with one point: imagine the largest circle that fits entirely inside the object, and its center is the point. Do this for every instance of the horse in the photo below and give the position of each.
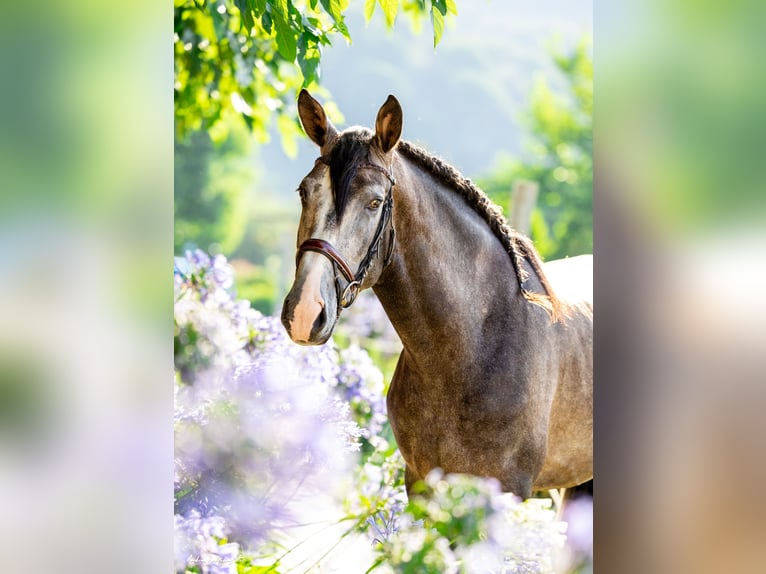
(495, 377)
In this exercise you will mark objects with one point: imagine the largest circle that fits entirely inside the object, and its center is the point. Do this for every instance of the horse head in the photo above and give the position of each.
(345, 235)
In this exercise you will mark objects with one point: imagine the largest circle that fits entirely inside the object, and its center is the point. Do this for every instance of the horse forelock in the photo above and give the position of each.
(351, 148)
(518, 246)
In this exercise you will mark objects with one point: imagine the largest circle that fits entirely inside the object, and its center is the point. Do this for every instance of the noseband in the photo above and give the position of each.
(347, 295)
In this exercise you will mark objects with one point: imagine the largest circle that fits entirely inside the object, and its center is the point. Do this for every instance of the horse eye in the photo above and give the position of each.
(375, 203)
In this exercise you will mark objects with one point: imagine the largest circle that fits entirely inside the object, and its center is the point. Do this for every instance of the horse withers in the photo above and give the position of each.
(495, 375)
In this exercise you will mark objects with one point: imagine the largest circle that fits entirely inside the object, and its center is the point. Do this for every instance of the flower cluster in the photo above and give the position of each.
(460, 523)
(380, 493)
(271, 437)
(366, 321)
(360, 383)
(201, 543)
(208, 322)
(258, 428)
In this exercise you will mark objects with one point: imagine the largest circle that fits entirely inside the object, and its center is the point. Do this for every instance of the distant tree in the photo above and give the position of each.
(560, 160)
(209, 190)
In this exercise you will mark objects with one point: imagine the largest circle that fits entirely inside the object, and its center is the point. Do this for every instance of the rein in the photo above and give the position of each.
(347, 295)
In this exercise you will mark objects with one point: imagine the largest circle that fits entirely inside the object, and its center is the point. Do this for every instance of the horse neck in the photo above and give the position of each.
(449, 274)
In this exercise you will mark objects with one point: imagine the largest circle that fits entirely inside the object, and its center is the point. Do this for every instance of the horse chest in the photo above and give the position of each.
(458, 432)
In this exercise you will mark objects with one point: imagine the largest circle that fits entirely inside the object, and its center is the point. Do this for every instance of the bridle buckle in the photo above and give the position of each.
(349, 294)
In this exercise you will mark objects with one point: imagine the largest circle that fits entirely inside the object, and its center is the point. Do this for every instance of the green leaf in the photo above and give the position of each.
(452, 7)
(280, 8)
(390, 8)
(287, 45)
(333, 8)
(311, 33)
(247, 20)
(437, 19)
(341, 26)
(286, 35)
(369, 9)
(293, 12)
(308, 58)
(266, 22)
(248, 121)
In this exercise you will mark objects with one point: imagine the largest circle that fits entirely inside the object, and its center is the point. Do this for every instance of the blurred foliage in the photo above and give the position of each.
(464, 524)
(246, 59)
(259, 284)
(688, 148)
(561, 160)
(209, 190)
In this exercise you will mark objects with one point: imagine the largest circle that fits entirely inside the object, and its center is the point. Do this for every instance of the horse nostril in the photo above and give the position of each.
(320, 320)
(287, 313)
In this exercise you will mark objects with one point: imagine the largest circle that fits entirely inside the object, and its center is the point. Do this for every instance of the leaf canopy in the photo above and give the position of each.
(245, 60)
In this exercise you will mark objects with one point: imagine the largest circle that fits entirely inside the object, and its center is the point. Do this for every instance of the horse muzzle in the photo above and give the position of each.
(309, 312)
(318, 334)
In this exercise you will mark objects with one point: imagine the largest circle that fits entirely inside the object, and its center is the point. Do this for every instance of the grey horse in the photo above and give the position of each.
(496, 373)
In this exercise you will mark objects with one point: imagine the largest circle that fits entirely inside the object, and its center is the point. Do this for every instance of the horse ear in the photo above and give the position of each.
(314, 120)
(388, 125)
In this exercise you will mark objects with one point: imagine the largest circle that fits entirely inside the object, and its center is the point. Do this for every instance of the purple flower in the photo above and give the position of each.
(265, 429)
(198, 258)
(221, 273)
(198, 544)
(367, 321)
(467, 524)
(360, 383)
(258, 427)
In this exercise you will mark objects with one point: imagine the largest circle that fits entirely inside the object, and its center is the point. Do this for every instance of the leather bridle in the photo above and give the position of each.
(347, 295)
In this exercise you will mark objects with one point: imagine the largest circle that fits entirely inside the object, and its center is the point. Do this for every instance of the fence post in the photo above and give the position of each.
(523, 199)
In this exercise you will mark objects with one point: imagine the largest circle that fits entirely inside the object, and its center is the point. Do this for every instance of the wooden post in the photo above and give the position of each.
(523, 199)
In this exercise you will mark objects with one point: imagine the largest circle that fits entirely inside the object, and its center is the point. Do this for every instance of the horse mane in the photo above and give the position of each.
(518, 246)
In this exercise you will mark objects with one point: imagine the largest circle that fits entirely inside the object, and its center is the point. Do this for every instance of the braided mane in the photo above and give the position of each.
(518, 246)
